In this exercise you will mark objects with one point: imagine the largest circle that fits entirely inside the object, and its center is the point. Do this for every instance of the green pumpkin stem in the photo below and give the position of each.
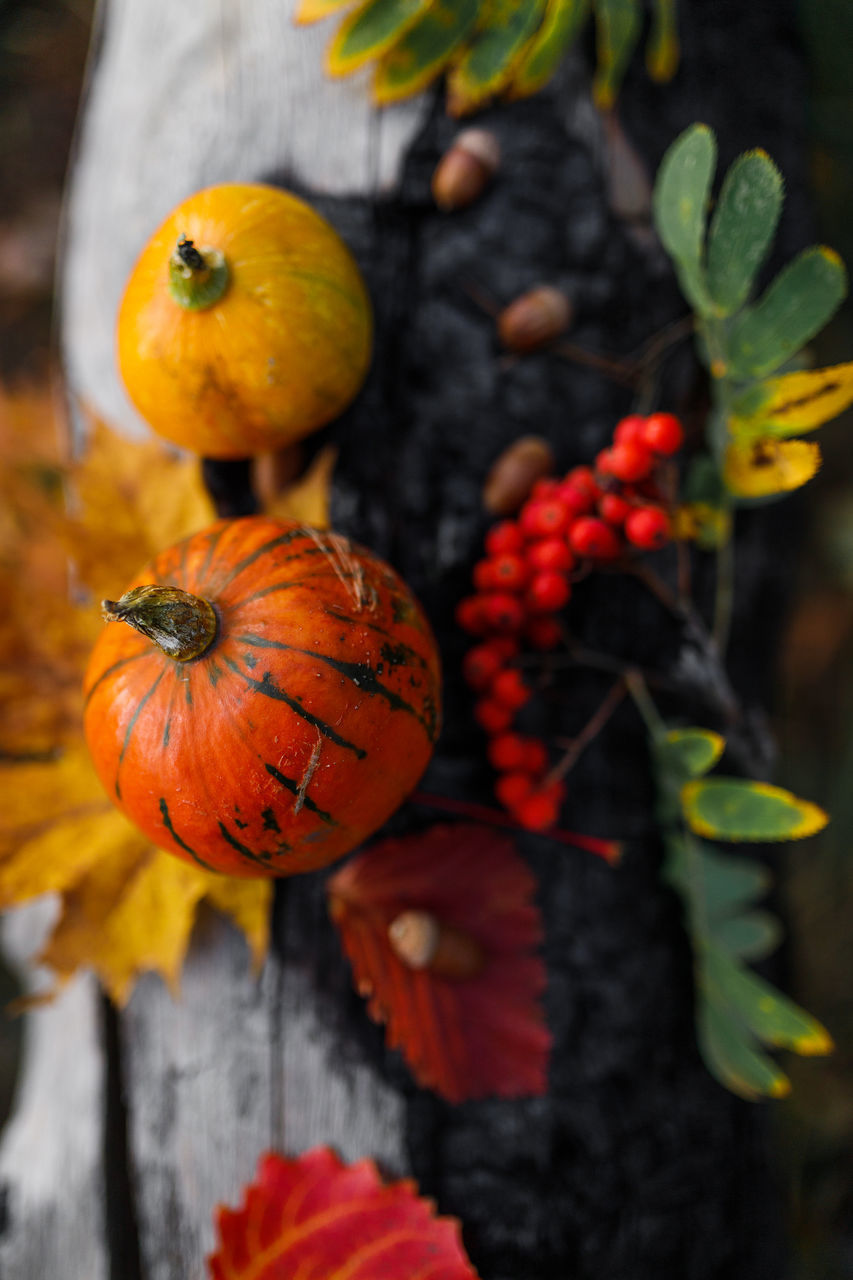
(197, 277)
(182, 625)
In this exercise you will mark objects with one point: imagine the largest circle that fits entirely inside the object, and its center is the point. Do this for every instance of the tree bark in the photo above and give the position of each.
(636, 1164)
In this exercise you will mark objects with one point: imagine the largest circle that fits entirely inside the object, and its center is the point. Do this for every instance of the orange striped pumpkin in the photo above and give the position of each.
(298, 710)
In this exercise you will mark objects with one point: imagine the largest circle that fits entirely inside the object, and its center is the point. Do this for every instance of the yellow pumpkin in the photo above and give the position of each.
(245, 324)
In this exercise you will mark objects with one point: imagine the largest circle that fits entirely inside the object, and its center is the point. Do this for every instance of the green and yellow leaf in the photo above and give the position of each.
(770, 1015)
(732, 1056)
(488, 63)
(688, 753)
(742, 228)
(617, 24)
(424, 50)
(680, 204)
(662, 51)
(750, 936)
(761, 468)
(794, 402)
(795, 307)
(741, 809)
(545, 50)
(371, 30)
(315, 10)
(700, 522)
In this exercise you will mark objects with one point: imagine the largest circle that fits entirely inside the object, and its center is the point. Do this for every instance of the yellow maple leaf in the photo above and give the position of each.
(125, 906)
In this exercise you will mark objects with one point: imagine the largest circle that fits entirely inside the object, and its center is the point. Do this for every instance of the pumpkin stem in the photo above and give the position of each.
(197, 277)
(182, 625)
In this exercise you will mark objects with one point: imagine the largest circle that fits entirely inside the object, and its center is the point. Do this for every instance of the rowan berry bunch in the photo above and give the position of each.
(592, 516)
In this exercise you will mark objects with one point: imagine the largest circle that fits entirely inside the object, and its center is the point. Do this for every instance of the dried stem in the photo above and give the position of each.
(589, 732)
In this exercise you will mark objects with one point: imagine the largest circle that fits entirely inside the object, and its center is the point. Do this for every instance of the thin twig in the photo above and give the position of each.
(588, 733)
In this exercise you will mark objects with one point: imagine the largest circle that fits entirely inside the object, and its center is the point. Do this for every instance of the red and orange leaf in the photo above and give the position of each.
(465, 1037)
(316, 1218)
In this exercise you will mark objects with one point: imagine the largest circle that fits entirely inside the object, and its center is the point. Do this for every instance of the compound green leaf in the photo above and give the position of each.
(368, 32)
(617, 32)
(662, 47)
(793, 309)
(543, 53)
(688, 753)
(742, 228)
(424, 50)
(750, 936)
(732, 1056)
(738, 809)
(680, 205)
(489, 61)
(794, 402)
(725, 883)
(770, 1016)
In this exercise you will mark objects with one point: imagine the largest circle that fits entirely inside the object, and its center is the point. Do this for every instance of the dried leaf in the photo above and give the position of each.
(794, 402)
(465, 1038)
(307, 499)
(761, 468)
(317, 1217)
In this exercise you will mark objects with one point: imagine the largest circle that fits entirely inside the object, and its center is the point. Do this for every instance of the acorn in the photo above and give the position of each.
(421, 941)
(534, 319)
(464, 171)
(514, 473)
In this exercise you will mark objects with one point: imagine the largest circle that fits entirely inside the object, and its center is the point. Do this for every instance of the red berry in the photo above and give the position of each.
(506, 646)
(630, 462)
(647, 528)
(544, 488)
(543, 518)
(583, 478)
(537, 811)
(550, 553)
(507, 751)
(512, 788)
(482, 576)
(481, 664)
(508, 688)
(470, 615)
(594, 538)
(503, 538)
(576, 499)
(602, 462)
(509, 572)
(613, 508)
(630, 430)
(534, 757)
(663, 433)
(543, 633)
(502, 612)
(492, 716)
(548, 592)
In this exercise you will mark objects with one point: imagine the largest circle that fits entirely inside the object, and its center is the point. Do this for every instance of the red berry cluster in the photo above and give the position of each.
(591, 515)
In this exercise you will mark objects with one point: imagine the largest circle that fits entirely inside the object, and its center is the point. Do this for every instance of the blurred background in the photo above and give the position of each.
(43, 53)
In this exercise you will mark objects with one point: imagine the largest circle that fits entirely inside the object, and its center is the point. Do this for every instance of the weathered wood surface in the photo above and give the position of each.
(636, 1164)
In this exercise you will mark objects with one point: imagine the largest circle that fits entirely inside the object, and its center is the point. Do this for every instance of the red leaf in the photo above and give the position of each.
(319, 1219)
(467, 1037)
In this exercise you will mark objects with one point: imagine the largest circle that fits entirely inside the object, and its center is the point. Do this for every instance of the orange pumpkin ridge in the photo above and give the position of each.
(300, 729)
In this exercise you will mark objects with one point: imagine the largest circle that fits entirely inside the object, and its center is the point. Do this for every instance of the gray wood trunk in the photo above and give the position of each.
(131, 1127)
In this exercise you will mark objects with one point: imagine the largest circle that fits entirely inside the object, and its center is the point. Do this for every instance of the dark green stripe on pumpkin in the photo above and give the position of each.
(262, 859)
(293, 787)
(270, 690)
(147, 652)
(361, 674)
(324, 575)
(167, 823)
(404, 652)
(280, 541)
(212, 544)
(132, 725)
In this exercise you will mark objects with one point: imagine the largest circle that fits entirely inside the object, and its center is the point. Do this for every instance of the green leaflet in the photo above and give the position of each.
(738, 809)
(742, 228)
(798, 303)
(688, 753)
(617, 32)
(542, 55)
(369, 31)
(424, 49)
(662, 46)
(769, 1015)
(750, 936)
(680, 204)
(731, 1056)
(488, 62)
